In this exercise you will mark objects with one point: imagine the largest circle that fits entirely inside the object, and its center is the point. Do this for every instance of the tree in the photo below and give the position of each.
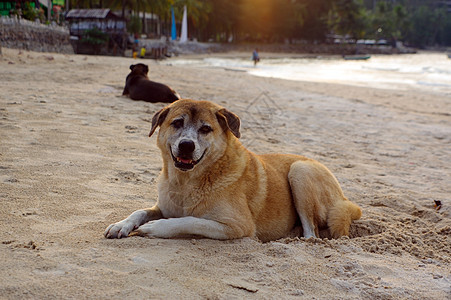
(198, 12)
(349, 18)
(445, 33)
(420, 22)
(313, 19)
(134, 25)
(223, 25)
(389, 22)
(426, 26)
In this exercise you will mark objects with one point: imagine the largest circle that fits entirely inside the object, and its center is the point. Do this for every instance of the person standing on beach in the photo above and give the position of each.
(255, 57)
(135, 46)
(143, 52)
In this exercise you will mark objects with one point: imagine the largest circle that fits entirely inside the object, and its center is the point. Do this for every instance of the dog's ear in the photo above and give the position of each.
(158, 119)
(146, 69)
(229, 120)
(131, 67)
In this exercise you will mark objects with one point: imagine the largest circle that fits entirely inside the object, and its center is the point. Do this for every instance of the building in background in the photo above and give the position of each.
(97, 31)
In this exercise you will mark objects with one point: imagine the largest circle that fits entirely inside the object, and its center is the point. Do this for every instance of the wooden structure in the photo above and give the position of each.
(81, 20)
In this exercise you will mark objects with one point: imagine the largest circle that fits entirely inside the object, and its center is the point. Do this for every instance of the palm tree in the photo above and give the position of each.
(198, 11)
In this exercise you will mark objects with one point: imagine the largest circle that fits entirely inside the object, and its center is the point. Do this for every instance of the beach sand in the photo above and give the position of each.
(75, 156)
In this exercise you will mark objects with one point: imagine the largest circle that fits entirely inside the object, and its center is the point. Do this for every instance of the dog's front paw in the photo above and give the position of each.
(123, 228)
(157, 228)
(119, 230)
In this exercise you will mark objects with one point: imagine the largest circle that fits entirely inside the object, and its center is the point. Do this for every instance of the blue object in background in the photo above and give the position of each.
(173, 28)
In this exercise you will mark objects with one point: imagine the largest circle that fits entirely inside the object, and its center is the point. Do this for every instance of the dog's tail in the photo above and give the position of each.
(341, 216)
(177, 95)
(172, 96)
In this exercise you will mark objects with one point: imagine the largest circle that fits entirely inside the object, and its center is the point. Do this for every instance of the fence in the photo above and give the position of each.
(34, 36)
(14, 21)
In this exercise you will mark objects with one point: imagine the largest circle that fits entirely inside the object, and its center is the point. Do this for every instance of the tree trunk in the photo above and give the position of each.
(144, 23)
(123, 8)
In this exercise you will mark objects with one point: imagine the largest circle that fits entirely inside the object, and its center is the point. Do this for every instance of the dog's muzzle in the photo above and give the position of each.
(183, 160)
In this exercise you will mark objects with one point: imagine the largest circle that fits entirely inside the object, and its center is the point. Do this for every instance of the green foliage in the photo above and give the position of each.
(95, 37)
(417, 22)
(349, 18)
(221, 27)
(445, 33)
(29, 12)
(134, 25)
(199, 11)
(426, 25)
(389, 22)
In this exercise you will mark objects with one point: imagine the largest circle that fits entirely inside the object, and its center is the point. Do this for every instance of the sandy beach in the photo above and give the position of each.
(75, 156)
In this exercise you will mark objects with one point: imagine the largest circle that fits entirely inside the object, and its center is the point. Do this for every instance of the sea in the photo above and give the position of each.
(421, 71)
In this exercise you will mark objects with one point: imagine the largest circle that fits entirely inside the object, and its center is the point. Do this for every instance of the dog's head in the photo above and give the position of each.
(194, 133)
(139, 69)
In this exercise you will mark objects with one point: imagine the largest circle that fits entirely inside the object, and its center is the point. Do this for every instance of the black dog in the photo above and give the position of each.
(139, 87)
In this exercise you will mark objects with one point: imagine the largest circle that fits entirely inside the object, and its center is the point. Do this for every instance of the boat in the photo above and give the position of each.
(356, 57)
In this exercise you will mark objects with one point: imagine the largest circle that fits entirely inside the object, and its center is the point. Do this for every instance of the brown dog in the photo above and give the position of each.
(139, 87)
(211, 186)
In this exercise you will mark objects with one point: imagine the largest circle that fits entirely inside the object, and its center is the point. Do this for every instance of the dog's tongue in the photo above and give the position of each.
(185, 161)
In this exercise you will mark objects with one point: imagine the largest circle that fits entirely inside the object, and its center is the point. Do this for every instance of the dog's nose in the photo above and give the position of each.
(186, 146)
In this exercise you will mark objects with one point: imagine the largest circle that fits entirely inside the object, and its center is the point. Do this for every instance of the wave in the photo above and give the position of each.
(421, 71)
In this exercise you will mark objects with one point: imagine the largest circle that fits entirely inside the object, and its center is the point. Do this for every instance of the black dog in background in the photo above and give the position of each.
(139, 87)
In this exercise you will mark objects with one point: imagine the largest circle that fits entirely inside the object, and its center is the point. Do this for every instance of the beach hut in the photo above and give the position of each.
(109, 34)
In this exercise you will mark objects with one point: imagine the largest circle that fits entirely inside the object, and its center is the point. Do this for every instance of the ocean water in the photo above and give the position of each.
(424, 71)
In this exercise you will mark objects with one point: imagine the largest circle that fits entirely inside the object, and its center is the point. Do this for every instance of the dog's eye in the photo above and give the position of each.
(177, 123)
(205, 129)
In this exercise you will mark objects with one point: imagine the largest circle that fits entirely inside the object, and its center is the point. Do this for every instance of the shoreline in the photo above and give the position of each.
(302, 48)
(75, 156)
(377, 96)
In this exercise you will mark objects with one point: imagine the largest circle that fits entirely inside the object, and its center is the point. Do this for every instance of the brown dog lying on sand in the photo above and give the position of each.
(211, 186)
(139, 87)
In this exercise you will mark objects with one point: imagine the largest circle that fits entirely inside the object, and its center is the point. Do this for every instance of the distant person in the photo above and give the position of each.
(135, 46)
(143, 52)
(255, 57)
(136, 41)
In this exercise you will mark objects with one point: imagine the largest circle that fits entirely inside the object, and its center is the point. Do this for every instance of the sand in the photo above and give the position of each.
(75, 157)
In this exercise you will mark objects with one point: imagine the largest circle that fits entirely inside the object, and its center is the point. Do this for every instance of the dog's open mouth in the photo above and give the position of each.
(184, 163)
